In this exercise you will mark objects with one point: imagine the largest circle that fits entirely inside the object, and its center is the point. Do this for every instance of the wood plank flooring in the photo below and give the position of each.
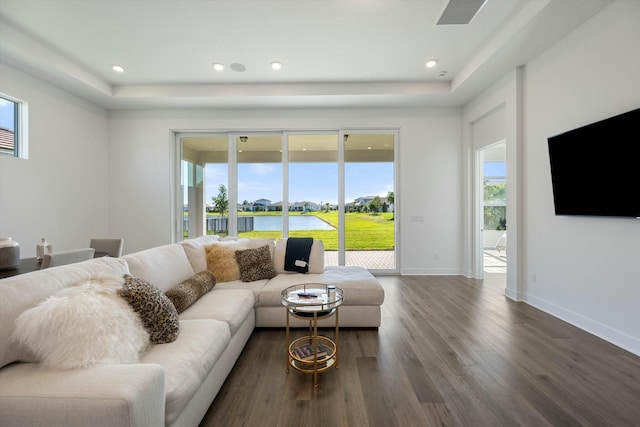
(451, 351)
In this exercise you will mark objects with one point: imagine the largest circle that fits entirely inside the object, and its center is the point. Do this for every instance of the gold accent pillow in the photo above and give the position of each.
(221, 260)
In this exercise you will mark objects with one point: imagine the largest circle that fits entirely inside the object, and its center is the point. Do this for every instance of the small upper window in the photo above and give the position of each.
(12, 127)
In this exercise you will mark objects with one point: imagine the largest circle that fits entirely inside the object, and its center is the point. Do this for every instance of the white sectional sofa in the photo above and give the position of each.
(172, 384)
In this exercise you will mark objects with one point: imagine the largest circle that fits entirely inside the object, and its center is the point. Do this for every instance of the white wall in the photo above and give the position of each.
(583, 270)
(428, 199)
(60, 191)
(586, 269)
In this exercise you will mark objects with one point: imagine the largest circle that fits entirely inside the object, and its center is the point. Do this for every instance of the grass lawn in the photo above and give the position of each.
(363, 231)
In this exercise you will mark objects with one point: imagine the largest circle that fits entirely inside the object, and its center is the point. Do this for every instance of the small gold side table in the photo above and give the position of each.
(312, 301)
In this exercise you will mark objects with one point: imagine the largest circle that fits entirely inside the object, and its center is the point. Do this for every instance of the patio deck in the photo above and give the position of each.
(494, 262)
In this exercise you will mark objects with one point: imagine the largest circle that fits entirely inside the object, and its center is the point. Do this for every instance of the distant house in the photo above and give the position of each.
(7, 138)
(362, 202)
(304, 207)
(261, 205)
(275, 207)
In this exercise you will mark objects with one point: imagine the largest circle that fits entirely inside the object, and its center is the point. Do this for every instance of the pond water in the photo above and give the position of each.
(274, 223)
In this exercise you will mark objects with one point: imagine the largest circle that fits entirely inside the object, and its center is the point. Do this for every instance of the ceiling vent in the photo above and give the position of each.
(460, 12)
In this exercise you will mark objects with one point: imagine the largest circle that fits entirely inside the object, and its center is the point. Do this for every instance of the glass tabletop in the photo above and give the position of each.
(310, 297)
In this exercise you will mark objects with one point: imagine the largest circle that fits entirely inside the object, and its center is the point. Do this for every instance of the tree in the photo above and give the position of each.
(495, 210)
(495, 190)
(391, 198)
(327, 206)
(375, 205)
(221, 202)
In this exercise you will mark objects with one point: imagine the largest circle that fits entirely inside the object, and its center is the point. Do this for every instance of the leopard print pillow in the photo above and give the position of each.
(158, 314)
(188, 292)
(255, 264)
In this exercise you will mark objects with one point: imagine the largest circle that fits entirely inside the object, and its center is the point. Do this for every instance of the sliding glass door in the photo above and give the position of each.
(204, 174)
(369, 221)
(338, 187)
(259, 184)
(313, 183)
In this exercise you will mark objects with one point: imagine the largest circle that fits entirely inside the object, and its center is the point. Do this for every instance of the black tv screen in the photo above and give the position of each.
(595, 169)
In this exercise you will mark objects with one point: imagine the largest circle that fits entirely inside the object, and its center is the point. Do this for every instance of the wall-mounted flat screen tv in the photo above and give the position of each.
(595, 169)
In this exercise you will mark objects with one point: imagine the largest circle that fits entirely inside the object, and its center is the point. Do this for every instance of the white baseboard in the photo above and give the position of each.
(615, 337)
(511, 294)
(430, 272)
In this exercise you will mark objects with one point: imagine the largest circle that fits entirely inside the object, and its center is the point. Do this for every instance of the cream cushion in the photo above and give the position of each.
(194, 248)
(358, 285)
(163, 266)
(188, 361)
(232, 306)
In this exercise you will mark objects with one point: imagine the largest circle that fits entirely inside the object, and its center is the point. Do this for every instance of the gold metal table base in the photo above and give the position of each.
(313, 366)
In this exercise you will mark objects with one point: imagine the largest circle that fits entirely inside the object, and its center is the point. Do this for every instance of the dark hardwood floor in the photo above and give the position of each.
(451, 351)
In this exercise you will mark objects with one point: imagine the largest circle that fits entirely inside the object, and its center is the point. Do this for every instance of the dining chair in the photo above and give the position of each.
(107, 247)
(66, 257)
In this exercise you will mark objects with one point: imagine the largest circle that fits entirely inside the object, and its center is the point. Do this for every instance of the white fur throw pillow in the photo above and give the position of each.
(83, 325)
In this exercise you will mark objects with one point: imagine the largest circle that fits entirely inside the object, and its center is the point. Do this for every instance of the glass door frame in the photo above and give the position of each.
(342, 186)
(177, 230)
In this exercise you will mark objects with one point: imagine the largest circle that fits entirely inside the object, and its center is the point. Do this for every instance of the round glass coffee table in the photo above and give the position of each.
(312, 353)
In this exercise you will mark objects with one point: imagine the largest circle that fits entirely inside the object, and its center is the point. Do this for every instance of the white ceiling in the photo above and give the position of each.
(335, 53)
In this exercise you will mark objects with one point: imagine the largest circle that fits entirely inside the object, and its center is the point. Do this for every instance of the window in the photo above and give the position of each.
(12, 127)
(336, 186)
(204, 171)
(495, 195)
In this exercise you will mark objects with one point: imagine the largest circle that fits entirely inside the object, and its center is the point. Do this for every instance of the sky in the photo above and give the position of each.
(312, 182)
(6, 114)
(495, 171)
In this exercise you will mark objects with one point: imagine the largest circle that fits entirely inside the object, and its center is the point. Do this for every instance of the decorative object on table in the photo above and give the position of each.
(43, 248)
(331, 291)
(9, 253)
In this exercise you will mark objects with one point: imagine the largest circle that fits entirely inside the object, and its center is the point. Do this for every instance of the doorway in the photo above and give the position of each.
(492, 161)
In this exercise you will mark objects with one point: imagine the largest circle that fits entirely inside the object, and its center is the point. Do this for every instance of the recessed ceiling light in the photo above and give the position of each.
(218, 66)
(442, 73)
(431, 63)
(276, 65)
(117, 68)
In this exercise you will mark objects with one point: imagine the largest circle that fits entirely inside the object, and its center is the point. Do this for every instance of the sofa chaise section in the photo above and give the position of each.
(363, 296)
